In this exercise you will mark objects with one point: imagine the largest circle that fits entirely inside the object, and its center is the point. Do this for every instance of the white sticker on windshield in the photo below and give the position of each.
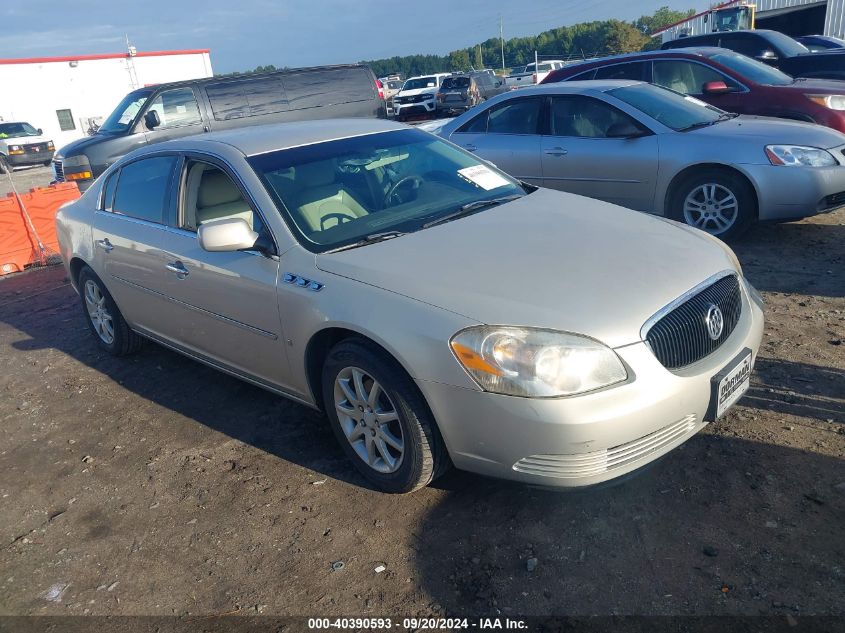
(483, 176)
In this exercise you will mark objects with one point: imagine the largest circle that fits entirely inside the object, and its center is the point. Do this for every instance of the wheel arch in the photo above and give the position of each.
(75, 266)
(321, 343)
(679, 177)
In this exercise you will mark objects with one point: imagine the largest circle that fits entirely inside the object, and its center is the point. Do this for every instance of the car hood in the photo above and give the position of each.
(775, 131)
(418, 91)
(23, 140)
(549, 260)
(77, 147)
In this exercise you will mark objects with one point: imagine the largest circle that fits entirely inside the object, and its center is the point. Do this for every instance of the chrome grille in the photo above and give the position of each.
(598, 462)
(680, 337)
(58, 170)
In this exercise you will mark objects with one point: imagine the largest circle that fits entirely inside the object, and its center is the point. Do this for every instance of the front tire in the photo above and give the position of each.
(104, 318)
(717, 201)
(380, 418)
(4, 165)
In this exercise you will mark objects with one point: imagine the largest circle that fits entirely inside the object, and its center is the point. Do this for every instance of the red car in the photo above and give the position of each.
(725, 79)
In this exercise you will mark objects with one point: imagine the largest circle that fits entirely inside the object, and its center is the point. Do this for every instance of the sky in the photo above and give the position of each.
(243, 34)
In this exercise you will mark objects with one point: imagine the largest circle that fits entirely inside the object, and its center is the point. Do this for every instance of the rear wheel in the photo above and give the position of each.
(716, 201)
(103, 317)
(380, 418)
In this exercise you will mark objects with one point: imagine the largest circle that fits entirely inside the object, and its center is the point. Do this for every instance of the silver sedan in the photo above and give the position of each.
(437, 310)
(654, 150)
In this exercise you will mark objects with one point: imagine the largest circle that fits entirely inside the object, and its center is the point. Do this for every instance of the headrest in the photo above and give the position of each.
(315, 174)
(216, 188)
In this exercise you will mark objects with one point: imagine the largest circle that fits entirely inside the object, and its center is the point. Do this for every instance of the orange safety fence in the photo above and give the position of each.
(19, 247)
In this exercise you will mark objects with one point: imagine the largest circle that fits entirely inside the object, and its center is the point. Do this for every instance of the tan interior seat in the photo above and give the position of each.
(218, 198)
(321, 201)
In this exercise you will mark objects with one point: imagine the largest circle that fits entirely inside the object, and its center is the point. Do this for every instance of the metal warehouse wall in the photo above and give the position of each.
(33, 90)
(834, 22)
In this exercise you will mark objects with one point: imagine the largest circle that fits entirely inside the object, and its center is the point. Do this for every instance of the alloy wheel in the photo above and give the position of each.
(369, 420)
(95, 302)
(711, 207)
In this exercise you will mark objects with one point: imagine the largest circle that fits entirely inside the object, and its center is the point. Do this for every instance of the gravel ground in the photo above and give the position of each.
(154, 485)
(25, 178)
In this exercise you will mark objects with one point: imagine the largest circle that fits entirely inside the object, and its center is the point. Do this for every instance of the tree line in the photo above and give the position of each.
(583, 40)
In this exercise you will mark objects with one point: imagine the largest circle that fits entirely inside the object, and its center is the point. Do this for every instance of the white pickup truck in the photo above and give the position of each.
(532, 73)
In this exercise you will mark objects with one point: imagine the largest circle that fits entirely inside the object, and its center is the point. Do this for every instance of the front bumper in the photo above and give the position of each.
(414, 109)
(586, 440)
(30, 158)
(789, 193)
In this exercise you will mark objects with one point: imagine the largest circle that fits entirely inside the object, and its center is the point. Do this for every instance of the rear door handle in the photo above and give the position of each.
(470, 147)
(557, 151)
(178, 268)
(105, 245)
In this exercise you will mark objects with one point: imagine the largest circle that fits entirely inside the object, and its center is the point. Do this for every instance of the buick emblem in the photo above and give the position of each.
(715, 322)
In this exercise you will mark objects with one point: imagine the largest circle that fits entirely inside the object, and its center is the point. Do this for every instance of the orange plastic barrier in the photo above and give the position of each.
(18, 246)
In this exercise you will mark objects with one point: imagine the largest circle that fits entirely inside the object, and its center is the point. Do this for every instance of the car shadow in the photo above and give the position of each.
(799, 389)
(719, 526)
(800, 258)
(246, 413)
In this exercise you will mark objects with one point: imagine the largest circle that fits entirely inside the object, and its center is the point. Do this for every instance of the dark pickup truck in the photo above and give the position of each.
(775, 49)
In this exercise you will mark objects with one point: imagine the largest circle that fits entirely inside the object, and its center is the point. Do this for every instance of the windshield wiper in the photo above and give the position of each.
(726, 116)
(370, 239)
(469, 208)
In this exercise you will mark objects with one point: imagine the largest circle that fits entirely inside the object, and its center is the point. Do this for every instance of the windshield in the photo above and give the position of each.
(451, 83)
(10, 130)
(339, 192)
(788, 46)
(420, 82)
(670, 108)
(755, 71)
(125, 112)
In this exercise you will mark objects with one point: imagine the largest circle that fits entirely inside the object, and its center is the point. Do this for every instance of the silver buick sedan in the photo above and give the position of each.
(440, 312)
(655, 150)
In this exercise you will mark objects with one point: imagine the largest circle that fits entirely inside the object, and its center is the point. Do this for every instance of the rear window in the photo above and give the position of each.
(455, 82)
(294, 91)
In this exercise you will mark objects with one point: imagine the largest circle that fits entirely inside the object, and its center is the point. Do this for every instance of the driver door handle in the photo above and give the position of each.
(105, 245)
(178, 268)
(557, 151)
(470, 147)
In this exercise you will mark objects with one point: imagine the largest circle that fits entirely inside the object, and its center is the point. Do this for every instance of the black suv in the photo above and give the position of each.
(167, 111)
(774, 48)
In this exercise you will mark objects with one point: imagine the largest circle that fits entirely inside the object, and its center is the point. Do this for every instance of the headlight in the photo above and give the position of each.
(535, 363)
(797, 156)
(428, 96)
(834, 102)
(80, 160)
(14, 148)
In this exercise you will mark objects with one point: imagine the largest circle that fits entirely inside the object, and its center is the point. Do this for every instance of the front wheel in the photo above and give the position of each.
(47, 163)
(380, 418)
(4, 166)
(103, 317)
(716, 201)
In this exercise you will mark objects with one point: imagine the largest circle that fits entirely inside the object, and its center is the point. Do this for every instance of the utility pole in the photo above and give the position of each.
(502, 39)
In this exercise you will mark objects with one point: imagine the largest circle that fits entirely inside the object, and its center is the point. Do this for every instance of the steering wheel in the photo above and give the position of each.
(342, 218)
(415, 181)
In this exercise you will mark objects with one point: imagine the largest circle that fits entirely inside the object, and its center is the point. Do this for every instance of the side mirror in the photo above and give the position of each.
(767, 55)
(152, 120)
(715, 88)
(227, 235)
(624, 129)
(40, 131)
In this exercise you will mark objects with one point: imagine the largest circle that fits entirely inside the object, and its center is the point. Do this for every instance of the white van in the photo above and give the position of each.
(21, 144)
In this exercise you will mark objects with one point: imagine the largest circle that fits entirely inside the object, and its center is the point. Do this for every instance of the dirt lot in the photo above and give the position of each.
(153, 485)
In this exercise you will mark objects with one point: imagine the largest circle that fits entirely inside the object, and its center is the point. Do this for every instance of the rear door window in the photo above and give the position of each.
(228, 100)
(143, 187)
(631, 70)
(266, 96)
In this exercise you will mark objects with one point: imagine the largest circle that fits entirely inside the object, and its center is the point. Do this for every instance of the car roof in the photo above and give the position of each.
(692, 51)
(574, 87)
(259, 139)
